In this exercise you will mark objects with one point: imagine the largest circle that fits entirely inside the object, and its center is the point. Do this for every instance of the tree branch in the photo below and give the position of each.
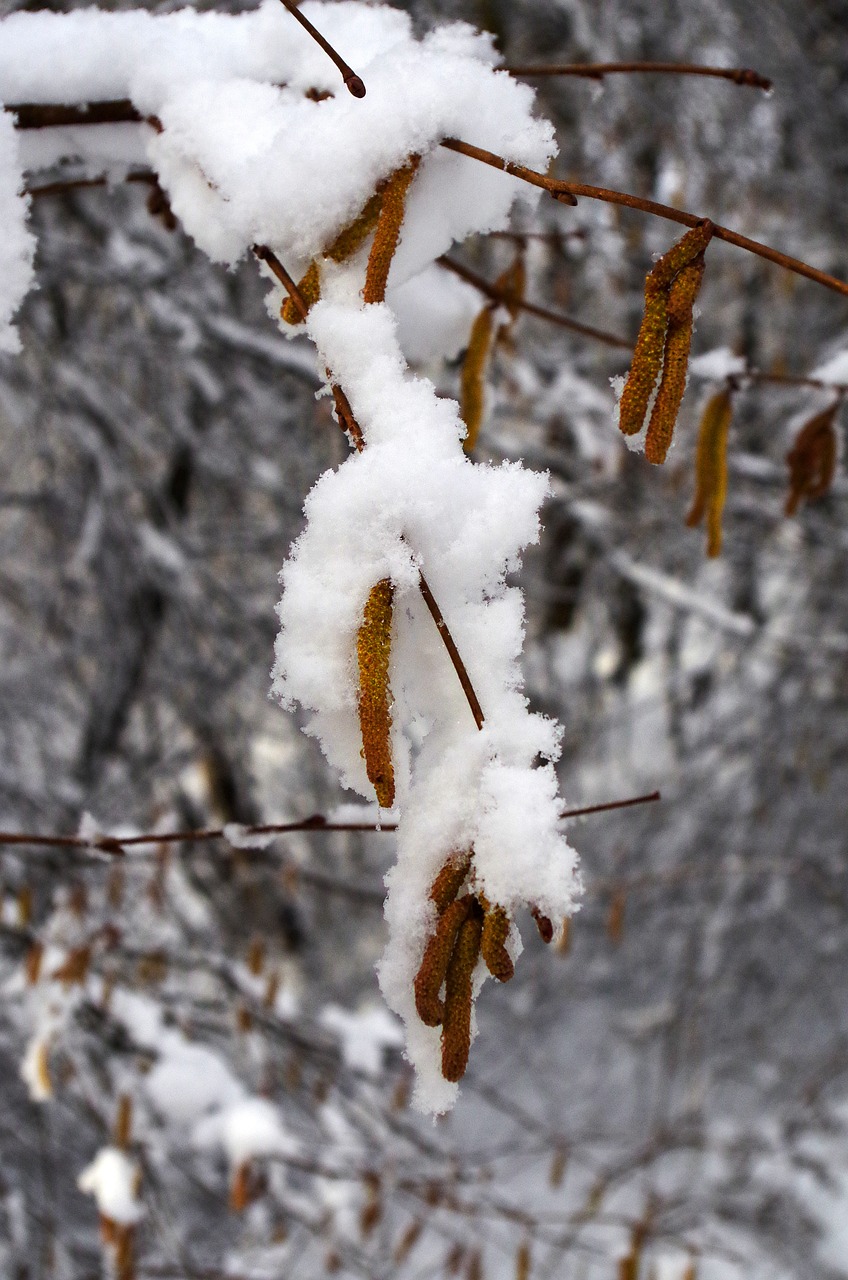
(553, 317)
(597, 71)
(115, 846)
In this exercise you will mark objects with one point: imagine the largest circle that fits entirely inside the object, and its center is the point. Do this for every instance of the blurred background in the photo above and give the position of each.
(663, 1097)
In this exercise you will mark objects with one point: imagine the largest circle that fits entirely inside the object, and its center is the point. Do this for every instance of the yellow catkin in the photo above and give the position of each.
(436, 961)
(310, 291)
(388, 231)
(681, 300)
(495, 932)
(689, 247)
(711, 469)
(812, 459)
(375, 716)
(523, 1261)
(456, 1026)
(472, 378)
(353, 237)
(646, 363)
(615, 917)
(448, 882)
(651, 343)
(512, 285)
(122, 1132)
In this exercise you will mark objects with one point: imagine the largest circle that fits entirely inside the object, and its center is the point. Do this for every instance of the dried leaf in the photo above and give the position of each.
(472, 378)
(711, 469)
(375, 717)
(388, 231)
(436, 960)
(812, 458)
(456, 1027)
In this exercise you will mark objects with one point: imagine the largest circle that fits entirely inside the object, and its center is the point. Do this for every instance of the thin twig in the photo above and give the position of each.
(116, 846)
(145, 176)
(597, 71)
(554, 317)
(352, 80)
(561, 190)
(566, 191)
(453, 652)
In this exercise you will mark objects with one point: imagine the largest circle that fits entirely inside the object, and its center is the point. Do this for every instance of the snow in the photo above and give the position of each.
(834, 370)
(249, 1128)
(717, 365)
(365, 1035)
(17, 246)
(113, 1179)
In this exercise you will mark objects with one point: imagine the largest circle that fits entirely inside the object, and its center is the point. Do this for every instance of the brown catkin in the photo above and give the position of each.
(512, 285)
(388, 231)
(689, 247)
(435, 962)
(812, 458)
(651, 344)
(473, 376)
(122, 1132)
(456, 1026)
(495, 932)
(353, 237)
(646, 363)
(711, 469)
(375, 717)
(523, 1261)
(448, 882)
(310, 290)
(681, 300)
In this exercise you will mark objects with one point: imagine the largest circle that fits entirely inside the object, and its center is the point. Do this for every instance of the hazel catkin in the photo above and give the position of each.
(375, 716)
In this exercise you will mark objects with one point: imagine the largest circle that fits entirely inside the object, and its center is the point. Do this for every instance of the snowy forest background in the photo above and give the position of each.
(667, 1096)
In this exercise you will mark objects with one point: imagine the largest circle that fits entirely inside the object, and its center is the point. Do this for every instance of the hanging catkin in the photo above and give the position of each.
(711, 469)
(438, 955)
(681, 300)
(388, 231)
(353, 237)
(664, 337)
(492, 944)
(456, 1027)
(448, 882)
(473, 377)
(375, 717)
(812, 458)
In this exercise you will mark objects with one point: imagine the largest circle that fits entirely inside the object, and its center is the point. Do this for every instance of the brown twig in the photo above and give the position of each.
(566, 191)
(117, 846)
(554, 317)
(453, 652)
(561, 190)
(145, 176)
(597, 71)
(352, 81)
